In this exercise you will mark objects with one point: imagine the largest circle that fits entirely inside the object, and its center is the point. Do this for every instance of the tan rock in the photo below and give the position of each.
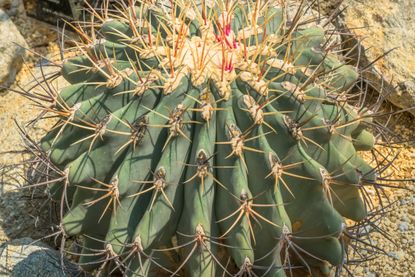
(12, 50)
(381, 26)
(13, 7)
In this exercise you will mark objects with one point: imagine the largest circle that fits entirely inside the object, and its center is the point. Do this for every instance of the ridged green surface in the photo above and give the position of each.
(260, 181)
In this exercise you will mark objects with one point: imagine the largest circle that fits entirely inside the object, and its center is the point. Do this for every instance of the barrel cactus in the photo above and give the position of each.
(207, 138)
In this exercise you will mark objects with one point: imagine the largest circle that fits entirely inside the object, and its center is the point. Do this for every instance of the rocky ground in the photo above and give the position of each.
(383, 26)
(16, 218)
(398, 242)
(20, 216)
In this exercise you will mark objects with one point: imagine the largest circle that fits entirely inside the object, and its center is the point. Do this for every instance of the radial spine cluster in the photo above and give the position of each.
(207, 138)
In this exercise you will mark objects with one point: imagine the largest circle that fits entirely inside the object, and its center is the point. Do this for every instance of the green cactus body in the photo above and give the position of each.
(207, 139)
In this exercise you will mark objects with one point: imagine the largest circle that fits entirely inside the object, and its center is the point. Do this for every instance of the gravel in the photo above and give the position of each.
(20, 217)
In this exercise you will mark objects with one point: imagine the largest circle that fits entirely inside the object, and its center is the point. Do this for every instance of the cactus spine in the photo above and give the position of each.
(207, 138)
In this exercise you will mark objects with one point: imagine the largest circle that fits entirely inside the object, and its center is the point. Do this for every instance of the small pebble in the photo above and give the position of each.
(396, 255)
(405, 219)
(367, 228)
(371, 274)
(403, 226)
(407, 201)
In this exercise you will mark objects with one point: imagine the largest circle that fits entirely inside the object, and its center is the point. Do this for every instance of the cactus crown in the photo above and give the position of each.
(207, 137)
